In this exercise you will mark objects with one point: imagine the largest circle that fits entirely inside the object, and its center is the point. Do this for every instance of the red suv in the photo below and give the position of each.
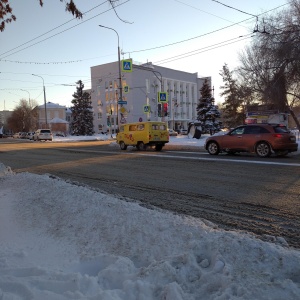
(263, 139)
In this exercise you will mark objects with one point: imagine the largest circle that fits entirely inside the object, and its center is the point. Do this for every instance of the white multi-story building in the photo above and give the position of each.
(140, 95)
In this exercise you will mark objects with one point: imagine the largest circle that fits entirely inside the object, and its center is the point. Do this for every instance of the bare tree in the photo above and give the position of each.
(23, 118)
(270, 66)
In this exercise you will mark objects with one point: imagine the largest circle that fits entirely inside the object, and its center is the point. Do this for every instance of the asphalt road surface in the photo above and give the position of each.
(240, 192)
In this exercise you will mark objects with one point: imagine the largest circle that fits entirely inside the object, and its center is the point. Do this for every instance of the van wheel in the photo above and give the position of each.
(123, 146)
(141, 146)
(158, 147)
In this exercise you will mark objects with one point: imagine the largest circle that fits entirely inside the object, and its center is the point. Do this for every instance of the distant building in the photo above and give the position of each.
(56, 117)
(4, 115)
(140, 96)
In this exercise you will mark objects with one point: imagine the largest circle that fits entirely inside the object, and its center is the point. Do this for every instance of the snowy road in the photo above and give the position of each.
(243, 193)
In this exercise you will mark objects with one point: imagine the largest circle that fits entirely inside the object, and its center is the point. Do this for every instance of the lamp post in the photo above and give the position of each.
(28, 96)
(120, 77)
(29, 107)
(44, 98)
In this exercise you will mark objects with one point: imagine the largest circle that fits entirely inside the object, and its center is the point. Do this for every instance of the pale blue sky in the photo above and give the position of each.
(151, 24)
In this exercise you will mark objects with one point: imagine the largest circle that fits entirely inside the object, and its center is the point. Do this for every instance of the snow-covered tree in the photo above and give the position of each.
(82, 114)
(207, 112)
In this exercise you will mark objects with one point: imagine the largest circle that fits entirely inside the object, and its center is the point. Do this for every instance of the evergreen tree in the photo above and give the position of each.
(207, 111)
(82, 114)
(233, 111)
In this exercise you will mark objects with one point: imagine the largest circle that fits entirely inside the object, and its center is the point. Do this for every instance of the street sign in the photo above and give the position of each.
(122, 102)
(147, 109)
(162, 97)
(127, 65)
(126, 89)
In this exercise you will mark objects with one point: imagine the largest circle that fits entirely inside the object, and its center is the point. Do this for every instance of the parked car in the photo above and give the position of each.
(43, 134)
(183, 131)
(17, 135)
(262, 139)
(29, 135)
(23, 135)
(172, 132)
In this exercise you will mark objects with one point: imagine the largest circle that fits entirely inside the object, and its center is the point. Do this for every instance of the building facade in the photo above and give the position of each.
(57, 117)
(140, 100)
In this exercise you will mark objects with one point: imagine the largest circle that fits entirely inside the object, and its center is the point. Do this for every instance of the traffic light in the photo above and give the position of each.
(159, 109)
(165, 109)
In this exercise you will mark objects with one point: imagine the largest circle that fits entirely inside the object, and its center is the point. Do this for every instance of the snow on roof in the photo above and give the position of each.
(51, 105)
(58, 120)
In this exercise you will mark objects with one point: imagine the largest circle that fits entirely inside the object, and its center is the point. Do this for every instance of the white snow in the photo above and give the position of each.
(63, 241)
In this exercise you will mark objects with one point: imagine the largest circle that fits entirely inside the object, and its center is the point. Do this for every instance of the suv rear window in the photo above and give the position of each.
(280, 129)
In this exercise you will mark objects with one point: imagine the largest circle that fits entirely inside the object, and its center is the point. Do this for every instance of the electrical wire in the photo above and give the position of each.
(63, 31)
(233, 8)
(208, 33)
(185, 55)
(205, 11)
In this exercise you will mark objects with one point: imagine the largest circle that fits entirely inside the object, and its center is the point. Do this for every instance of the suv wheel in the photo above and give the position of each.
(262, 149)
(213, 148)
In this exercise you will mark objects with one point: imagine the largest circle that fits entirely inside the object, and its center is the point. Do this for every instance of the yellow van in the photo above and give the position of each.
(143, 134)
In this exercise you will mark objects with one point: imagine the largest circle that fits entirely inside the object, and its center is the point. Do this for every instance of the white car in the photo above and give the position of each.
(17, 135)
(43, 134)
(29, 135)
(172, 132)
(183, 131)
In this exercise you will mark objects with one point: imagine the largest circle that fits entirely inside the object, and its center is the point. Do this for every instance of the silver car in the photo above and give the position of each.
(43, 134)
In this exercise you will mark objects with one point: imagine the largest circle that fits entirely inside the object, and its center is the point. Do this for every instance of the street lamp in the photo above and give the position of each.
(28, 96)
(44, 97)
(120, 78)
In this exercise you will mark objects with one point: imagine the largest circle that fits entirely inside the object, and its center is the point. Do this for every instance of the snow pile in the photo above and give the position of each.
(63, 241)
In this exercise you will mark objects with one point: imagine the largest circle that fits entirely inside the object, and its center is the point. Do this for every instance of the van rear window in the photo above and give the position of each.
(159, 127)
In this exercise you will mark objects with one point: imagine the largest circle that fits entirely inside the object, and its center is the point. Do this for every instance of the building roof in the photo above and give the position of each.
(51, 105)
(58, 120)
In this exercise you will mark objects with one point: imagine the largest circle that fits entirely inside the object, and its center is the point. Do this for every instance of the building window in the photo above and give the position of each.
(115, 84)
(99, 115)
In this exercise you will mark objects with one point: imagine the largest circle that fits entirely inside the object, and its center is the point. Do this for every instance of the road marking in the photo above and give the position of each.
(259, 162)
(227, 160)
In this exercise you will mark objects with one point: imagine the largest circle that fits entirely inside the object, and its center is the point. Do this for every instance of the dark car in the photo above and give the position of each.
(262, 139)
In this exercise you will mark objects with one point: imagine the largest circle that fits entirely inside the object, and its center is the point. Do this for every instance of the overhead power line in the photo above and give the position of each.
(49, 30)
(205, 49)
(205, 34)
(56, 33)
(41, 63)
(204, 11)
(234, 8)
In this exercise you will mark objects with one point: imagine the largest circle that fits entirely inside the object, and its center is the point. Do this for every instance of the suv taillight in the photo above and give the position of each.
(278, 135)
